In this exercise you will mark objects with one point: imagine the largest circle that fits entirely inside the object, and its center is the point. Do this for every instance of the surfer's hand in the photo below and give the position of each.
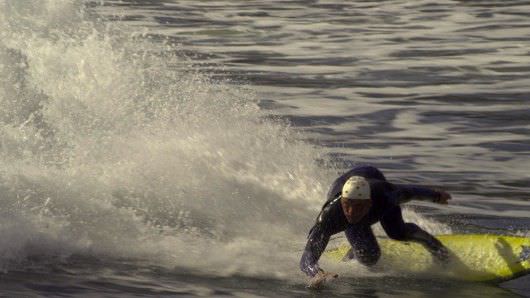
(443, 198)
(320, 278)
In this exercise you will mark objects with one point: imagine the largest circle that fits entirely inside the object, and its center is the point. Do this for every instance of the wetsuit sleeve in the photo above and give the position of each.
(316, 244)
(405, 193)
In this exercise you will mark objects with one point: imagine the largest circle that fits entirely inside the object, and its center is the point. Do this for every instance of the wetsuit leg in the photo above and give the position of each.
(364, 245)
(397, 229)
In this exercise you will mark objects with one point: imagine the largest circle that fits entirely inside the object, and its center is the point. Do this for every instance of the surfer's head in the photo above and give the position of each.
(355, 198)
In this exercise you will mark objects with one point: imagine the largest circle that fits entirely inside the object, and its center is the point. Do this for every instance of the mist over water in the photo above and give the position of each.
(132, 138)
(113, 146)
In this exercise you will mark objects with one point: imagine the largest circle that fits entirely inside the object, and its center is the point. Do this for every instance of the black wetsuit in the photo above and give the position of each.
(386, 198)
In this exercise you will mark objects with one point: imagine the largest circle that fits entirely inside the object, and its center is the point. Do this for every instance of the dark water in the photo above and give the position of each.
(129, 281)
(116, 115)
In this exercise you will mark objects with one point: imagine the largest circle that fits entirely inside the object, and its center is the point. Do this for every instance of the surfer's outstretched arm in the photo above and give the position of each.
(330, 221)
(405, 193)
(316, 244)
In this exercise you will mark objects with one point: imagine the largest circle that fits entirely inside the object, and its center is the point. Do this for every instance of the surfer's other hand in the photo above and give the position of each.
(443, 198)
(320, 278)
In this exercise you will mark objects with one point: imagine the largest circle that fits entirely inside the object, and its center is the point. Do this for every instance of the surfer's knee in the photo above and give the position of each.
(369, 259)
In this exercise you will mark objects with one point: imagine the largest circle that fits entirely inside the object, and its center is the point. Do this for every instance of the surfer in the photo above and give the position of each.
(358, 199)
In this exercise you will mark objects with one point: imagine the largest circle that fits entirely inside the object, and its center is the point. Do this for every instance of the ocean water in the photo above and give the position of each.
(183, 148)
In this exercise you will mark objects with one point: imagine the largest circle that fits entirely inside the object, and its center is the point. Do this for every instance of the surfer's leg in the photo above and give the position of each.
(364, 245)
(397, 229)
(432, 244)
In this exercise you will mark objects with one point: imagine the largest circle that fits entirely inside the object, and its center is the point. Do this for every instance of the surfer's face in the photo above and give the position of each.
(355, 210)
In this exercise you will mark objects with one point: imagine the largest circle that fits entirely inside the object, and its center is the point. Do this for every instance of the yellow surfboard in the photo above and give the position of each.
(472, 257)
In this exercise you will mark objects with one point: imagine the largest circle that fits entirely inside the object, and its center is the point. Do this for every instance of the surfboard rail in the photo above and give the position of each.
(473, 257)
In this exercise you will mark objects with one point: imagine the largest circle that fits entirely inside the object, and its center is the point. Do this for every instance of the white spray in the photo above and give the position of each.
(112, 146)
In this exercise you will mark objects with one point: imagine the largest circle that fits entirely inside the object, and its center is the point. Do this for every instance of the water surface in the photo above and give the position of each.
(184, 147)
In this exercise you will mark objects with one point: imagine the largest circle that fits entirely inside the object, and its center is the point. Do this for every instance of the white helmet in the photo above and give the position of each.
(356, 188)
